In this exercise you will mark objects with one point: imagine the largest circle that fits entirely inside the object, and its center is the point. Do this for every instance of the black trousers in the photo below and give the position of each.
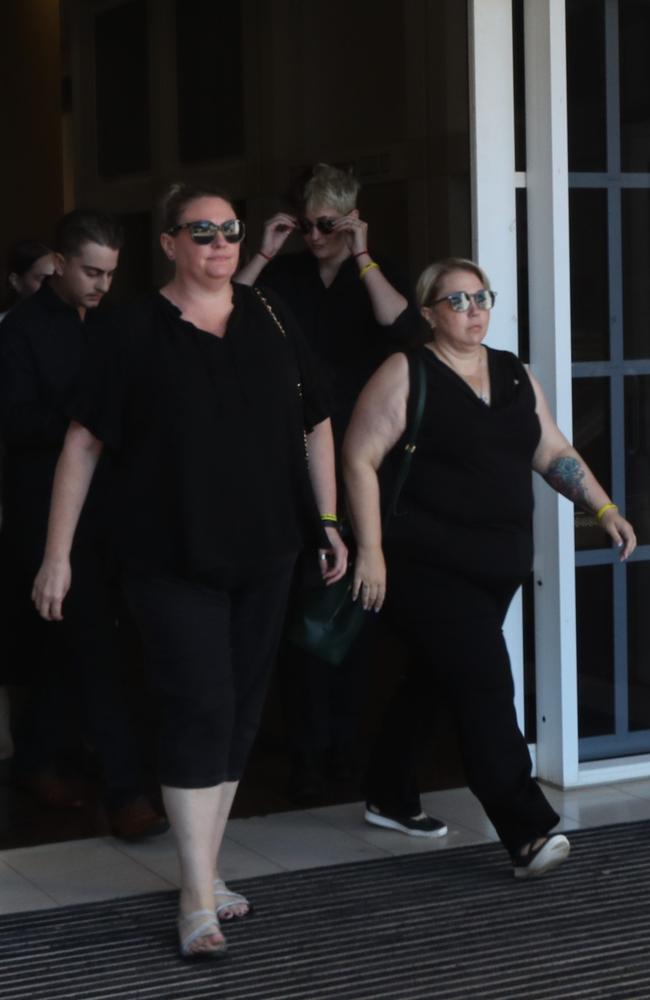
(210, 650)
(454, 627)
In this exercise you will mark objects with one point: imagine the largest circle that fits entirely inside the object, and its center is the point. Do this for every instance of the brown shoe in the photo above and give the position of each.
(136, 818)
(54, 791)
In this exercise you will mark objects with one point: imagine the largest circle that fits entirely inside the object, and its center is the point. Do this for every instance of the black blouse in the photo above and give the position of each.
(468, 499)
(339, 324)
(208, 435)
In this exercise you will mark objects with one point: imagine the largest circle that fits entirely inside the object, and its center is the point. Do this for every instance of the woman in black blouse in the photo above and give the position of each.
(203, 391)
(461, 542)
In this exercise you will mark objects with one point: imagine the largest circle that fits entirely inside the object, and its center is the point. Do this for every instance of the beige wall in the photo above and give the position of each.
(30, 80)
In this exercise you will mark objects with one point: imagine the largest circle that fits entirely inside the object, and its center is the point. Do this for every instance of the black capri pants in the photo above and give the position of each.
(209, 651)
(454, 625)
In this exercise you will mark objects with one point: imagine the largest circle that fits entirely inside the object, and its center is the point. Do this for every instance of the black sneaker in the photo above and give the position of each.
(413, 826)
(538, 861)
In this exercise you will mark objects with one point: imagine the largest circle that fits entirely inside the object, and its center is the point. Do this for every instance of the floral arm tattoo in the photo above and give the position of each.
(566, 475)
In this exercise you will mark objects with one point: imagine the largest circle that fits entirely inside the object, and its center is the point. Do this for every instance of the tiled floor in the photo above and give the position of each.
(104, 868)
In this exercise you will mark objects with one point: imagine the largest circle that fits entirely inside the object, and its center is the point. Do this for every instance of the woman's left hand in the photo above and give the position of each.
(333, 560)
(356, 231)
(621, 531)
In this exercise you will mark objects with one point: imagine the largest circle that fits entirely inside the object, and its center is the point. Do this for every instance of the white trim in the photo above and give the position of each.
(494, 209)
(550, 349)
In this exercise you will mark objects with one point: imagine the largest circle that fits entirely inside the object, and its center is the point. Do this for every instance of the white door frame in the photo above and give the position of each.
(547, 184)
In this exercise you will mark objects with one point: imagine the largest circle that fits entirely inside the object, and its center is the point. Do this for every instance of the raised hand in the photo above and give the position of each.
(276, 231)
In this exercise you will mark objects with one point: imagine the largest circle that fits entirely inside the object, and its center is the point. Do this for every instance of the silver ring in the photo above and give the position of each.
(322, 555)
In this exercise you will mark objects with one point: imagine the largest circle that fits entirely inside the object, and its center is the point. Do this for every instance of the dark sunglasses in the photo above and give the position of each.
(323, 224)
(459, 301)
(203, 231)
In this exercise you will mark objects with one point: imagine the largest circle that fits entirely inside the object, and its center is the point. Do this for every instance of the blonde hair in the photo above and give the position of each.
(331, 186)
(428, 284)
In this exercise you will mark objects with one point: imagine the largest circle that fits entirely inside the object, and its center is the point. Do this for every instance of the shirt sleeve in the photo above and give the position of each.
(100, 400)
(29, 418)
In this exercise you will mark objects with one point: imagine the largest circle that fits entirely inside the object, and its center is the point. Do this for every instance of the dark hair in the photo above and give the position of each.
(83, 226)
(179, 195)
(23, 254)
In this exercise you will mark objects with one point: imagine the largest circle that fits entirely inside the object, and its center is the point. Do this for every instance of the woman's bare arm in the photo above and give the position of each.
(564, 469)
(320, 448)
(378, 421)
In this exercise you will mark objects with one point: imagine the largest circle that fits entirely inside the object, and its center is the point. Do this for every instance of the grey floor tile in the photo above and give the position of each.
(459, 807)
(82, 871)
(349, 819)
(599, 805)
(296, 840)
(640, 787)
(17, 893)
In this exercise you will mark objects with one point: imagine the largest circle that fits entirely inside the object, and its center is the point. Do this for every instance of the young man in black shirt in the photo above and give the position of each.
(42, 344)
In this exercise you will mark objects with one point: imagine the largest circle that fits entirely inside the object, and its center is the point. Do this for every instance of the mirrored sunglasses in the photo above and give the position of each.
(459, 301)
(203, 231)
(323, 224)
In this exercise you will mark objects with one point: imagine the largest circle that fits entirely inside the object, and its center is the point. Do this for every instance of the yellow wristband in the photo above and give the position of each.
(603, 510)
(369, 267)
(328, 517)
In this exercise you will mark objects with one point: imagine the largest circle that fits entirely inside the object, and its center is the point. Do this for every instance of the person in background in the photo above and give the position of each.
(195, 391)
(29, 263)
(76, 695)
(354, 309)
(461, 544)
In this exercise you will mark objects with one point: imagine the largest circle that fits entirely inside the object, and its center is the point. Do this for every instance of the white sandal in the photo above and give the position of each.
(229, 899)
(204, 929)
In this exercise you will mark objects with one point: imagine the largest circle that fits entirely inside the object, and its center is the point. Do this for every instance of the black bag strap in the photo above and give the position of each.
(419, 386)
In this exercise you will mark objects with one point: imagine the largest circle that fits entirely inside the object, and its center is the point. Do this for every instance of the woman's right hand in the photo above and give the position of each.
(276, 231)
(369, 580)
(51, 585)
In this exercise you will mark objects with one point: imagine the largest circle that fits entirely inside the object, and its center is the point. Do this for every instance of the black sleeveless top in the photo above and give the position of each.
(467, 503)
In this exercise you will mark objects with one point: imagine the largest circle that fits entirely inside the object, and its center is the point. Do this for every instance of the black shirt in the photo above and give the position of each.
(467, 503)
(339, 324)
(208, 434)
(42, 343)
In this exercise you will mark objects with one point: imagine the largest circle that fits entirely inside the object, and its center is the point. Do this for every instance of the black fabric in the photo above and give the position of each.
(42, 345)
(454, 627)
(210, 651)
(339, 324)
(323, 706)
(468, 500)
(207, 433)
(76, 691)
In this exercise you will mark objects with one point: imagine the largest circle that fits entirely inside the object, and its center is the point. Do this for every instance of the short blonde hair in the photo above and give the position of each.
(428, 284)
(331, 186)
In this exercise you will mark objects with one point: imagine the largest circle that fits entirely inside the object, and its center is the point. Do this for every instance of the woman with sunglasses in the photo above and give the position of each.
(460, 544)
(196, 391)
(354, 309)
(352, 306)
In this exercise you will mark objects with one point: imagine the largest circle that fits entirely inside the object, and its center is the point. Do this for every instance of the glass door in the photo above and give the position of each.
(609, 205)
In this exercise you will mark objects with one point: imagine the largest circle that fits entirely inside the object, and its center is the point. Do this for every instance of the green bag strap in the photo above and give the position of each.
(419, 377)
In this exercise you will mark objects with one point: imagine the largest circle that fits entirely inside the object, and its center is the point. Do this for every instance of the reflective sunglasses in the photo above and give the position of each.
(203, 231)
(459, 301)
(323, 224)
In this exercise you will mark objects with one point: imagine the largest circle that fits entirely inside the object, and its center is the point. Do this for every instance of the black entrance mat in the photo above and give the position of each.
(449, 925)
